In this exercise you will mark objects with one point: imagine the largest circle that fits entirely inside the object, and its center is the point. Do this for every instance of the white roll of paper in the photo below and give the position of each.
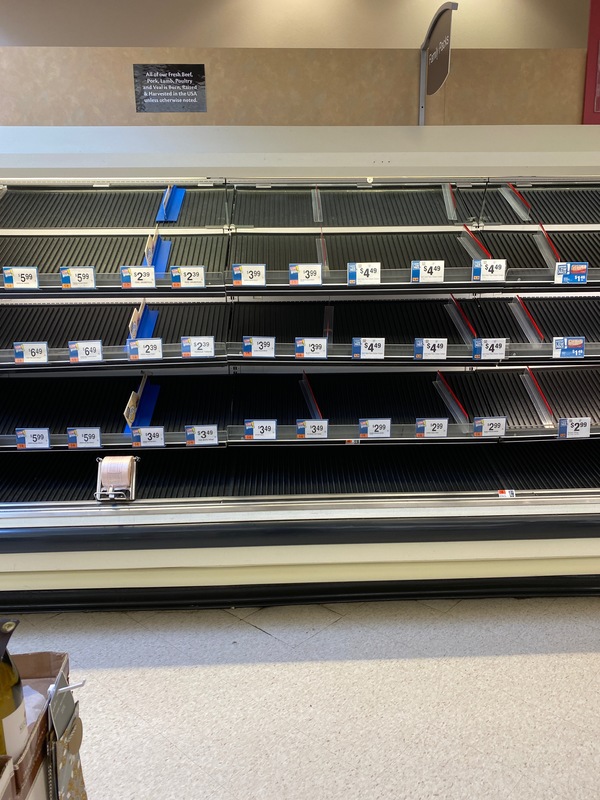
(116, 472)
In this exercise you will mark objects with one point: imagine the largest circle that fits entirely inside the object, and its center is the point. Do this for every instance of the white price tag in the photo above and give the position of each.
(427, 271)
(312, 428)
(21, 278)
(85, 352)
(364, 273)
(489, 426)
(138, 278)
(188, 277)
(78, 438)
(201, 434)
(148, 437)
(145, 349)
(432, 350)
(260, 429)
(574, 427)
(198, 346)
(431, 428)
(489, 270)
(306, 274)
(33, 438)
(31, 352)
(310, 347)
(489, 349)
(258, 347)
(368, 348)
(249, 274)
(77, 277)
(374, 428)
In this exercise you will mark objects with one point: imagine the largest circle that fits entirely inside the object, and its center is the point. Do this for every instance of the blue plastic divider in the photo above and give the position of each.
(160, 259)
(146, 407)
(174, 203)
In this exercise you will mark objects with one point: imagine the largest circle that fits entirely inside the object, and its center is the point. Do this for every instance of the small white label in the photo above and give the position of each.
(14, 728)
(311, 347)
(306, 274)
(148, 437)
(31, 352)
(312, 428)
(196, 435)
(145, 349)
(249, 274)
(431, 428)
(364, 273)
(21, 278)
(435, 349)
(78, 277)
(260, 429)
(489, 270)
(188, 278)
(198, 346)
(374, 428)
(258, 347)
(427, 271)
(33, 438)
(78, 438)
(138, 278)
(574, 427)
(489, 349)
(368, 348)
(507, 494)
(85, 352)
(485, 427)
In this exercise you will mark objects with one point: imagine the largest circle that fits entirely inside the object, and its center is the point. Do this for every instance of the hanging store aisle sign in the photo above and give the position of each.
(489, 349)
(31, 352)
(431, 428)
(21, 277)
(170, 88)
(574, 427)
(311, 347)
(427, 271)
(306, 274)
(78, 277)
(197, 435)
(145, 349)
(258, 347)
(188, 277)
(249, 274)
(198, 346)
(80, 438)
(489, 426)
(489, 270)
(138, 278)
(368, 348)
(33, 438)
(312, 428)
(148, 437)
(374, 428)
(260, 429)
(568, 347)
(431, 349)
(571, 272)
(85, 352)
(364, 273)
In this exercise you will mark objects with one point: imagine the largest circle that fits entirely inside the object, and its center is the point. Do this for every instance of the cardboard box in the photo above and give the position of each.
(8, 789)
(39, 671)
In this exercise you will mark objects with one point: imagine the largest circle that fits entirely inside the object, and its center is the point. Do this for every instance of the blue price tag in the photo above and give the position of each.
(568, 347)
(571, 272)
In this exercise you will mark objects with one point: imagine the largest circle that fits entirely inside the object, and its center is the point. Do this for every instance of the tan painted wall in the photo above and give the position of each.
(538, 24)
(94, 86)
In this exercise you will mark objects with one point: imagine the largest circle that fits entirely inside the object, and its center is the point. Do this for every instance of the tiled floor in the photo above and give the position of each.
(479, 699)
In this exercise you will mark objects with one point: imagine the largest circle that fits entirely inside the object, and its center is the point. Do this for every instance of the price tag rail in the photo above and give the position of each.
(111, 282)
(112, 441)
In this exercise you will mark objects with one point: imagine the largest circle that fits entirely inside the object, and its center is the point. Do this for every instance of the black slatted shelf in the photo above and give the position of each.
(550, 465)
(197, 400)
(478, 204)
(266, 397)
(565, 205)
(493, 318)
(572, 392)
(273, 208)
(495, 394)
(396, 250)
(519, 249)
(580, 246)
(285, 321)
(560, 316)
(399, 322)
(354, 207)
(277, 251)
(107, 253)
(99, 208)
(195, 319)
(344, 399)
